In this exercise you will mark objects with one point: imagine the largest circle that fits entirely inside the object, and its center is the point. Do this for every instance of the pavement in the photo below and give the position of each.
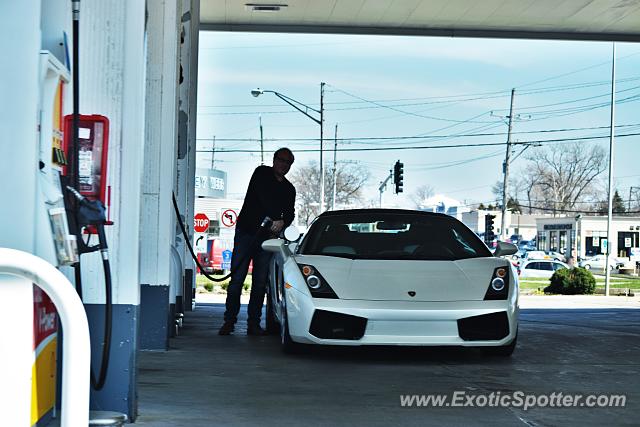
(572, 345)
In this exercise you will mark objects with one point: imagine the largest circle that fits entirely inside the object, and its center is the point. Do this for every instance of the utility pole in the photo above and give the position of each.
(261, 142)
(321, 140)
(213, 152)
(335, 168)
(505, 186)
(607, 276)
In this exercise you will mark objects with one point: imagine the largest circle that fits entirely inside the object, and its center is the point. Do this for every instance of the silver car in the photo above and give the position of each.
(599, 261)
(540, 268)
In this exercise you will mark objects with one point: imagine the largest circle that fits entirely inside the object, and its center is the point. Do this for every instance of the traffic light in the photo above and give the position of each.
(398, 176)
(489, 228)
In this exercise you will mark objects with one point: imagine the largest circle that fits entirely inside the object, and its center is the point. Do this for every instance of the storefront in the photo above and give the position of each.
(586, 236)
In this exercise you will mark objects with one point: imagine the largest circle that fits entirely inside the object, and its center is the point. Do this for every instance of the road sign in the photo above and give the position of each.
(226, 260)
(229, 218)
(200, 240)
(200, 222)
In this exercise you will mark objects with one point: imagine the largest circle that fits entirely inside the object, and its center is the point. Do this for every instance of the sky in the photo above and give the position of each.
(436, 91)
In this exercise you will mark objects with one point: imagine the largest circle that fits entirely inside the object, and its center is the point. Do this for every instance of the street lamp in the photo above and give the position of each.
(304, 109)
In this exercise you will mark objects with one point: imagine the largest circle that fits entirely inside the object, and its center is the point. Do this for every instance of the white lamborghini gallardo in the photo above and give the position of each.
(392, 277)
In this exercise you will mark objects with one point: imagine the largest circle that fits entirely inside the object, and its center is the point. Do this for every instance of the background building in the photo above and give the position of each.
(587, 235)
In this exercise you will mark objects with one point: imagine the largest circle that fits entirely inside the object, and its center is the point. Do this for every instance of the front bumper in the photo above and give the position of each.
(315, 321)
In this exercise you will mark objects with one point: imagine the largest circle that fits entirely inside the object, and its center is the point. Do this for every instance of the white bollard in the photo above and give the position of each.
(76, 344)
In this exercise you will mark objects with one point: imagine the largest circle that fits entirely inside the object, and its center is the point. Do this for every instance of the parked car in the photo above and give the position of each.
(534, 255)
(527, 245)
(540, 268)
(599, 261)
(555, 255)
(515, 238)
(392, 277)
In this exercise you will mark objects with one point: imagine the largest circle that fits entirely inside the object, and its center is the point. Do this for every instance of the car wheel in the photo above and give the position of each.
(271, 322)
(587, 266)
(287, 344)
(503, 350)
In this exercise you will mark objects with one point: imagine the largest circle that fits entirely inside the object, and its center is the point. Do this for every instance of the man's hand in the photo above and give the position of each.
(276, 226)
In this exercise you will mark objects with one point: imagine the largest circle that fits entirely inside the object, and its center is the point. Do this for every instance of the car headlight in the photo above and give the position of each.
(317, 285)
(314, 282)
(499, 285)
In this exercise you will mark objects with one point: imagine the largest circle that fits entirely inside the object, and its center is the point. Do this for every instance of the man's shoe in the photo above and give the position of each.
(255, 330)
(227, 328)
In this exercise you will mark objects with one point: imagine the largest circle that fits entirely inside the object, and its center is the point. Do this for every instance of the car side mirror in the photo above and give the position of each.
(273, 245)
(276, 246)
(292, 233)
(504, 248)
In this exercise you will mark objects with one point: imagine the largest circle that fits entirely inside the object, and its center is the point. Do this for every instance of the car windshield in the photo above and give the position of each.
(392, 236)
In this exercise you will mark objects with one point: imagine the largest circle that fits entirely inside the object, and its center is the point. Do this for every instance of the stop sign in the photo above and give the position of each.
(200, 222)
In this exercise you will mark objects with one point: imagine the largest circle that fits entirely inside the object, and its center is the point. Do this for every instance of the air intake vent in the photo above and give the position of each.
(254, 7)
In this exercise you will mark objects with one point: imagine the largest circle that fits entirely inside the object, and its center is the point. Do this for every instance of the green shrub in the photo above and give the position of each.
(575, 281)
(208, 286)
(224, 285)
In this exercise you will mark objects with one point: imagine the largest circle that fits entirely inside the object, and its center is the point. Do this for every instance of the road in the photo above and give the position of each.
(207, 380)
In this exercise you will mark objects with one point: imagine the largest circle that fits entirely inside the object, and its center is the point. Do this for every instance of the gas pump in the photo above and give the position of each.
(84, 179)
(74, 215)
(61, 249)
(60, 203)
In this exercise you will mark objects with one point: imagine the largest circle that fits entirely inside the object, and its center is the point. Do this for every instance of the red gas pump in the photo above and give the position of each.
(88, 195)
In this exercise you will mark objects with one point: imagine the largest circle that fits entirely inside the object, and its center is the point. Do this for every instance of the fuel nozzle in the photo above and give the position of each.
(90, 212)
(266, 222)
(76, 193)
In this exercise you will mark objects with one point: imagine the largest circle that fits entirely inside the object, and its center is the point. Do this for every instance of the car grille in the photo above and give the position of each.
(332, 325)
(493, 326)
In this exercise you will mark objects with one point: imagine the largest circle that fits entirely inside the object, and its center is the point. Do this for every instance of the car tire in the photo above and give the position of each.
(287, 344)
(273, 328)
(587, 266)
(503, 350)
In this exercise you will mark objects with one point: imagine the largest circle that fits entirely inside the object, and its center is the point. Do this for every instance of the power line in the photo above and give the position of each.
(550, 113)
(397, 138)
(446, 98)
(571, 210)
(573, 100)
(403, 111)
(575, 71)
(488, 144)
(588, 107)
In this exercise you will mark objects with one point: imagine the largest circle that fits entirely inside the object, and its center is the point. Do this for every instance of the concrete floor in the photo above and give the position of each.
(209, 380)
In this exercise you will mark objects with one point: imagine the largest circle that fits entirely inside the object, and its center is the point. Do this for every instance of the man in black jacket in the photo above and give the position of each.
(271, 195)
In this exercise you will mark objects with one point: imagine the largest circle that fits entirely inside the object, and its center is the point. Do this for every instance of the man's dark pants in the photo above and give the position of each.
(245, 249)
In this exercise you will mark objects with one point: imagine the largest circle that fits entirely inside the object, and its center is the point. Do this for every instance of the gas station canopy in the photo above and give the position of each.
(611, 20)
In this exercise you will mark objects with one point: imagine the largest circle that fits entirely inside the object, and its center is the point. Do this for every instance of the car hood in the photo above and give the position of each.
(394, 280)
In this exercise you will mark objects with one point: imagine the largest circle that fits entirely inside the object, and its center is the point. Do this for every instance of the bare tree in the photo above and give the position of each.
(496, 190)
(562, 176)
(350, 181)
(515, 188)
(423, 192)
(529, 191)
